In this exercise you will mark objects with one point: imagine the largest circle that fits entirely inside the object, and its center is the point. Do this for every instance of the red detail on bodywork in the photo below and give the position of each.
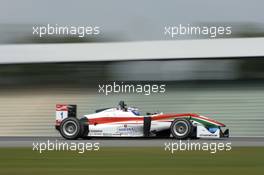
(104, 120)
(211, 120)
(167, 116)
(58, 123)
(61, 107)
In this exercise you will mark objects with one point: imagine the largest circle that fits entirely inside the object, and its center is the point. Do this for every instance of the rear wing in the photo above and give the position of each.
(64, 111)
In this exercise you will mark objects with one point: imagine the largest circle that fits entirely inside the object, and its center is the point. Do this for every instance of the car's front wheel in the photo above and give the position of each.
(181, 128)
(70, 128)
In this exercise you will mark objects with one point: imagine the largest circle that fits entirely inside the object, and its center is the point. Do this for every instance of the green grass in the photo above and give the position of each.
(150, 161)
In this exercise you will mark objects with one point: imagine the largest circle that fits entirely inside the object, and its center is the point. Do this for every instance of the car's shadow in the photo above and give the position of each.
(126, 138)
(148, 138)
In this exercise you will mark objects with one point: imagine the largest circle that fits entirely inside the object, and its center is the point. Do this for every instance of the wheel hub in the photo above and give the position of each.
(180, 128)
(70, 128)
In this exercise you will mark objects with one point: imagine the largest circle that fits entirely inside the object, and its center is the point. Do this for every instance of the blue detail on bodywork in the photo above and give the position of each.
(212, 130)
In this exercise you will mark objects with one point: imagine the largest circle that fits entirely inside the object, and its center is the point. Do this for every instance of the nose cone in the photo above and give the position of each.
(212, 121)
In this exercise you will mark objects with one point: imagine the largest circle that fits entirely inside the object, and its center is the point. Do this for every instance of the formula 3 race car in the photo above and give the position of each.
(123, 121)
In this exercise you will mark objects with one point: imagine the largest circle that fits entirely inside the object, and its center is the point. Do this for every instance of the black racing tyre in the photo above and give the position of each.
(181, 128)
(84, 128)
(71, 128)
(84, 134)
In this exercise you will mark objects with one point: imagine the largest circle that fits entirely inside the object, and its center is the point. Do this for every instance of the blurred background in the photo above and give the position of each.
(126, 20)
(228, 89)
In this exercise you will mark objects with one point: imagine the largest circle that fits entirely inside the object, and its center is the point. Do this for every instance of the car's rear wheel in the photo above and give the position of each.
(71, 128)
(181, 128)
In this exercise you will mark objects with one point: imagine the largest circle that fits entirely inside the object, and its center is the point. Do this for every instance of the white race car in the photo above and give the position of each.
(124, 121)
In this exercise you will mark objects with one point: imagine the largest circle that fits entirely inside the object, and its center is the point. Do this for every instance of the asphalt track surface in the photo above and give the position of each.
(129, 142)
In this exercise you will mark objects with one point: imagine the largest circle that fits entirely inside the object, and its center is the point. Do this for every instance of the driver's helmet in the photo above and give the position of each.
(122, 105)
